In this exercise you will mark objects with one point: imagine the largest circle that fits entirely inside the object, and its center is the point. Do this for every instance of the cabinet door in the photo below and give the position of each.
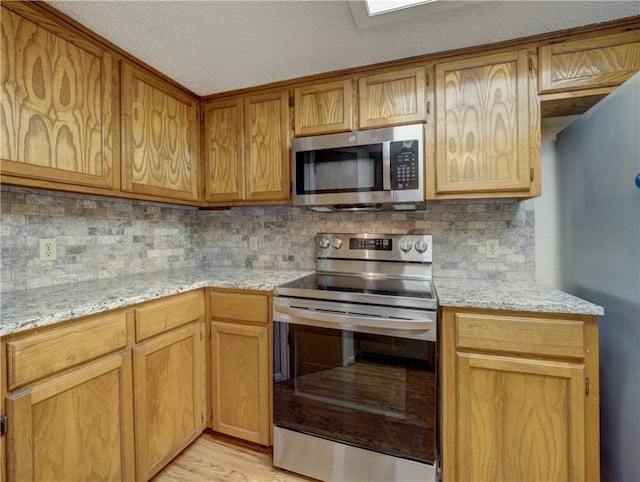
(520, 419)
(589, 63)
(224, 150)
(323, 108)
(240, 379)
(170, 402)
(392, 98)
(74, 427)
(482, 127)
(160, 137)
(56, 105)
(267, 153)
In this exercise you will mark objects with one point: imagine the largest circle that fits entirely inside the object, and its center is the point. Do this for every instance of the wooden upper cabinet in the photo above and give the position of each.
(246, 143)
(56, 105)
(160, 137)
(323, 108)
(224, 150)
(483, 129)
(266, 123)
(603, 61)
(392, 98)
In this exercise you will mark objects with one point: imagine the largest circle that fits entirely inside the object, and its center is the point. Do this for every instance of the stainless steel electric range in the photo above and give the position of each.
(355, 362)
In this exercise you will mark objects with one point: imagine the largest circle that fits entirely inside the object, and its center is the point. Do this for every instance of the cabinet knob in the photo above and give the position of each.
(638, 181)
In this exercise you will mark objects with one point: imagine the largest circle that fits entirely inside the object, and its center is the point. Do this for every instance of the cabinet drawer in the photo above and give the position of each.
(251, 308)
(555, 337)
(39, 356)
(159, 316)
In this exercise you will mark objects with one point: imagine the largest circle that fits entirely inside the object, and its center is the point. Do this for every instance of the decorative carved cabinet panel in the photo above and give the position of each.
(56, 105)
(224, 150)
(482, 131)
(323, 108)
(160, 137)
(392, 98)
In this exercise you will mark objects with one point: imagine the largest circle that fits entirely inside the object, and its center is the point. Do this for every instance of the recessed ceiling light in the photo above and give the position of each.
(377, 7)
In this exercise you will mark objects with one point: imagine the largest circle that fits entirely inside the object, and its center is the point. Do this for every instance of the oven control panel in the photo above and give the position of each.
(384, 247)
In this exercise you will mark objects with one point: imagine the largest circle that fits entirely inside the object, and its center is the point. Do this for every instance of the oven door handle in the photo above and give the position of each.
(345, 321)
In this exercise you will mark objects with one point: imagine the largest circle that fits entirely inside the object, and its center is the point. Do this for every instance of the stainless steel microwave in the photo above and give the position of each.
(377, 169)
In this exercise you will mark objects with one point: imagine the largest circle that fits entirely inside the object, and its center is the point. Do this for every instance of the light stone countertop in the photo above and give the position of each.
(22, 310)
(510, 296)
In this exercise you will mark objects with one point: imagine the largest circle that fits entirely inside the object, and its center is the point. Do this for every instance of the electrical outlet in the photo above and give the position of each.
(253, 243)
(492, 248)
(48, 249)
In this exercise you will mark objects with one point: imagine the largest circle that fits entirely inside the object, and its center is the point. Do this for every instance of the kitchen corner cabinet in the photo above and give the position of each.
(484, 130)
(70, 402)
(392, 98)
(520, 396)
(109, 397)
(161, 137)
(56, 104)
(169, 364)
(323, 108)
(241, 364)
(247, 143)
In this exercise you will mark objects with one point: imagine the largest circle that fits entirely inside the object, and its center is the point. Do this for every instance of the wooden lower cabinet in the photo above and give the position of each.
(241, 365)
(111, 397)
(170, 402)
(76, 426)
(519, 397)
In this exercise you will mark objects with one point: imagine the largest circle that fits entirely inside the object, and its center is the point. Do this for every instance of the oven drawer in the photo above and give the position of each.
(539, 335)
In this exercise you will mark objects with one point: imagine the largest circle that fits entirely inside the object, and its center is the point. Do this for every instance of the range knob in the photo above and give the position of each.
(324, 243)
(405, 245)
(336, 243)
(421, 246)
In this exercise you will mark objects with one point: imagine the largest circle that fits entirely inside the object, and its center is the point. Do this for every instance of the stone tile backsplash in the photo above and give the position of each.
(99, 237)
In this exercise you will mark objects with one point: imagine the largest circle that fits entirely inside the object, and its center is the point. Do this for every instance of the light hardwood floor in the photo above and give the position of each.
(214, 457)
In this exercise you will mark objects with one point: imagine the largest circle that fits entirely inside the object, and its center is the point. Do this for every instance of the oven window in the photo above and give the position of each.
(372, 391)
(349, 169)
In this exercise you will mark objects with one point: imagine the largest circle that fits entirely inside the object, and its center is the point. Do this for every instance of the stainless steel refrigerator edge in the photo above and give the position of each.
(599, 159)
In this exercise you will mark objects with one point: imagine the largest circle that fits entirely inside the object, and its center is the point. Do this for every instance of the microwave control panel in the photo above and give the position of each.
(404, 165)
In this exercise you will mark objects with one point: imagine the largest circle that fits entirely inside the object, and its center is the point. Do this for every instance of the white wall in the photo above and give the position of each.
(547, 207)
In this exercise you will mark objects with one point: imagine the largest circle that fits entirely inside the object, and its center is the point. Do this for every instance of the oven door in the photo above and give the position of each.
(367, 388)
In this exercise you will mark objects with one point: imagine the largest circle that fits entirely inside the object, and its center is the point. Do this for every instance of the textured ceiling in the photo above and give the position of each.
(215, 46)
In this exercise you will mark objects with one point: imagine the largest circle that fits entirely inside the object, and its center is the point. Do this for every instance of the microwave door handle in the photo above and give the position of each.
(344, 321)
(386, 166)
